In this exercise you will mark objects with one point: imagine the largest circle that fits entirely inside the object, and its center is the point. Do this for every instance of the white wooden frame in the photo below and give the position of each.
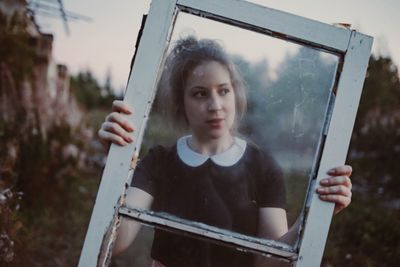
(353, 47)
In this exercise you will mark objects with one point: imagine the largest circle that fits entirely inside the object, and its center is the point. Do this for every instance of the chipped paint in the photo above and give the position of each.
(343, 25)
(104, 257)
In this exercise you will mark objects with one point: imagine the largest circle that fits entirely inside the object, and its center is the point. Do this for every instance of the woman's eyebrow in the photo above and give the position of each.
(224, 84)
(195, 87)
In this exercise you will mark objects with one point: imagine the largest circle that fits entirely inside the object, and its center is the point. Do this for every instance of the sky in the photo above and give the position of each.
(106, 44)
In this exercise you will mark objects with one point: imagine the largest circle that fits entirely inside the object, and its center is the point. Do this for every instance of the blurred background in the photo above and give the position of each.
(63, 62)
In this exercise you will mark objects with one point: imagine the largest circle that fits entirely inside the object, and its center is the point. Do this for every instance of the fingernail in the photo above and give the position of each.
(128, 110)
(320, 190)
(324, 182)
(128, 126)
(331, 172)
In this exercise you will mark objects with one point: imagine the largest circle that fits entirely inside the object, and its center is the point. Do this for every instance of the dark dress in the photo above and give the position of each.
(223, 196)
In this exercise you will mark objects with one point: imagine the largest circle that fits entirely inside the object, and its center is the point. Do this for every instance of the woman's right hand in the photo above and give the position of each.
(116, 128)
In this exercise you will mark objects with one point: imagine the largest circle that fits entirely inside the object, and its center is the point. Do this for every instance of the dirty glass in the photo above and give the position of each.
(288, 89)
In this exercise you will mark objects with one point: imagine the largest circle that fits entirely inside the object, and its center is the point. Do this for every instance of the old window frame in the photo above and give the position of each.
(353, 48)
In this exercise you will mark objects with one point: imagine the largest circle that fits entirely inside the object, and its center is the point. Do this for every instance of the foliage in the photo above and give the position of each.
(89, 93)
(49, 166)
(364, 235)
(376, 138)
(15, 50)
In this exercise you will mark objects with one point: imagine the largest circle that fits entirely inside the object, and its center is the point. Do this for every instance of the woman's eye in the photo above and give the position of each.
(200, 94)
(224, 91)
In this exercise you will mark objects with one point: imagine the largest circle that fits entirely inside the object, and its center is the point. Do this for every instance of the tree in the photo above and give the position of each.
(89, 93)
(376, 136)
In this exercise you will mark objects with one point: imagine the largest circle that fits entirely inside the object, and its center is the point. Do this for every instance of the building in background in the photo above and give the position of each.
(44, 92)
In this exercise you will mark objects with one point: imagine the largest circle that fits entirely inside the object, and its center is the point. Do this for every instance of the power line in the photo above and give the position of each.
(55, 9)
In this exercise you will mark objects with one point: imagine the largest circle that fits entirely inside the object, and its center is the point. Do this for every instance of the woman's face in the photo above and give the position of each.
(209, 101)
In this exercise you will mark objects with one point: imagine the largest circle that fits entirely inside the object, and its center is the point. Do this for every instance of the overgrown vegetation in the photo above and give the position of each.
(90, 93)
(50, 158)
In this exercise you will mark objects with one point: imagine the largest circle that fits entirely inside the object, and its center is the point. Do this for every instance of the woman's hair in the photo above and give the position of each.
(185, 56)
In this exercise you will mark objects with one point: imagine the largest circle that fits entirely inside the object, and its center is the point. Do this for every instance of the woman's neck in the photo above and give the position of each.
(210, 147)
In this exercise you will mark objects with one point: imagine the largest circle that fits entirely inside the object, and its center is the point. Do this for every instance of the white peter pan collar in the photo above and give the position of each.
(227, 158)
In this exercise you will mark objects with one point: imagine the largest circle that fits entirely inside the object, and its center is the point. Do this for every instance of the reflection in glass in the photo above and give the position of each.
(288, 88)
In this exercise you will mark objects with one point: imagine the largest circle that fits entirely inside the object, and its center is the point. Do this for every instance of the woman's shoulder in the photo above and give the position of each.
(160, 152)
(254, 150)
(162, 149)
(261, 158)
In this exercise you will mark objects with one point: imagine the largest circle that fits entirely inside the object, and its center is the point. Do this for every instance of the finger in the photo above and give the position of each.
(102, 138)
(338, 199)
(345, 170)
(335, 190)
(120, 106)
(112, 138)
(337, 180)
(121, 120)
(116, 129)
(341, 202)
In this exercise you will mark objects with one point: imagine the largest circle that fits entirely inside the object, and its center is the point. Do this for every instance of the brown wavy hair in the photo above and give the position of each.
(186, 54)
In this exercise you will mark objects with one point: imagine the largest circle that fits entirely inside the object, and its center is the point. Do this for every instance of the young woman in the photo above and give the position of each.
(210, 176)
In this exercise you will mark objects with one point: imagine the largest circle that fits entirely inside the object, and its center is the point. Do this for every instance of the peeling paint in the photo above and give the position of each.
(105, 253)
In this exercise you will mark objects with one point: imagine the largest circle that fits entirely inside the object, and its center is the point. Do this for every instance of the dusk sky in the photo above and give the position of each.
(107, 43)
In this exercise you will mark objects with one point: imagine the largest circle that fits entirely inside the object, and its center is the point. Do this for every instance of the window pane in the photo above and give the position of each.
(270, 157)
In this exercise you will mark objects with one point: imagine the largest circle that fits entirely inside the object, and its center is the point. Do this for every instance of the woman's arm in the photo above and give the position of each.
(128, 229)
(273, 225)
(273, 221)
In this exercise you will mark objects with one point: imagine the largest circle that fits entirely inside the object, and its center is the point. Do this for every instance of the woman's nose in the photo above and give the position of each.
(214, 102)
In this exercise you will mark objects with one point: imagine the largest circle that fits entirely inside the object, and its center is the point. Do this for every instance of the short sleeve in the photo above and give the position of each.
(271, 190)
(146, 172)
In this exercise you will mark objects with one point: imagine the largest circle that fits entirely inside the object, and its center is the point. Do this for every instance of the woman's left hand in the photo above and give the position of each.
(337, 189)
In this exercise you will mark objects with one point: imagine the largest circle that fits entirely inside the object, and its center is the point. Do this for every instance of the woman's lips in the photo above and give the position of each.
(215, 123)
